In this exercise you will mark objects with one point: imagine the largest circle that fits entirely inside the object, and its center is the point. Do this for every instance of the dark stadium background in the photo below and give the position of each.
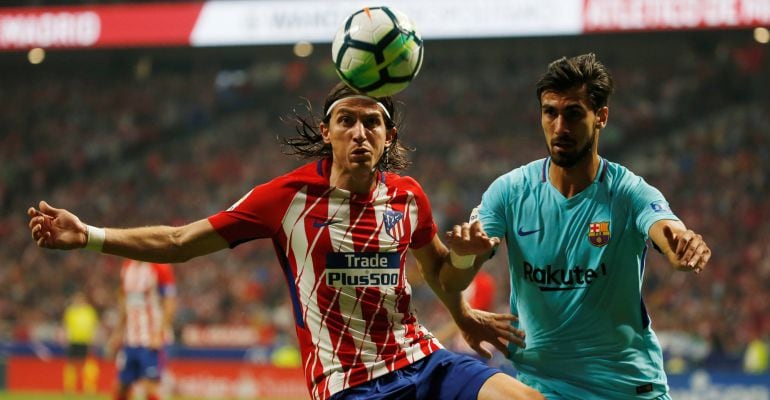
(135, 136)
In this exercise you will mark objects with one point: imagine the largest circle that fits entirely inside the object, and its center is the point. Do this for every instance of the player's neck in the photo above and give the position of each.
(358, 180)
(573, 180)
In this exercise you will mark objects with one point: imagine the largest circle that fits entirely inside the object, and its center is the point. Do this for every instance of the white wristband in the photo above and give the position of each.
(461, 262)
(95, 238)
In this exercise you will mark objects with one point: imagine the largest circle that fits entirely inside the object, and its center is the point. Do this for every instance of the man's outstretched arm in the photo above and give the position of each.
(57, 228)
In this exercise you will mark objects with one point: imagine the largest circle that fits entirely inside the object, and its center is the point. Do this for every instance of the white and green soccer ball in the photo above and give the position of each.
(377, 51)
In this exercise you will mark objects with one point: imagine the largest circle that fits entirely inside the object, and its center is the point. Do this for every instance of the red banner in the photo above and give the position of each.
(225, 336)
(159, 24)
(652, 15)
(192, 378)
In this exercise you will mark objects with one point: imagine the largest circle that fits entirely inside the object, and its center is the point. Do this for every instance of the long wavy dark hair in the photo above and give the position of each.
(308, 143)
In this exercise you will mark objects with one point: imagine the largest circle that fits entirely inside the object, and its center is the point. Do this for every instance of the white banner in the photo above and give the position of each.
(285, 22)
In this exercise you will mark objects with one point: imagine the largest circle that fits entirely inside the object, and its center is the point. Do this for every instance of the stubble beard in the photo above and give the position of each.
(569, 160)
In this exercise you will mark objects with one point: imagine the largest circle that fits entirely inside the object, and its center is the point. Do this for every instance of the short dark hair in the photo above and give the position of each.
(308, 143)
(579, 71)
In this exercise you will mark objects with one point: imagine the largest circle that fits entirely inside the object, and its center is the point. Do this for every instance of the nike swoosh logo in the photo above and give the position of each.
(319, 223)
(522, 232)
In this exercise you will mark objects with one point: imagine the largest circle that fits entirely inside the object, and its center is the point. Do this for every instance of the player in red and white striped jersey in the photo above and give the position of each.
(148, 290)
(147, 307)
(343, 255)
(341, 227)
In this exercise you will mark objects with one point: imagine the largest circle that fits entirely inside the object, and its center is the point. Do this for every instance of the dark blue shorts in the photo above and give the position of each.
(442, 375)
(135, 363)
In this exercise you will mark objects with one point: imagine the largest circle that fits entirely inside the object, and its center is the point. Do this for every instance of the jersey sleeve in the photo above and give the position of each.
(492, 210)
(256, 215)
(426, 226)
(648, 205)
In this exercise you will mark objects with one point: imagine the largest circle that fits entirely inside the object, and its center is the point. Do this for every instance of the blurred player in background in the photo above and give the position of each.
(576, 227)
(147, 308)
(81, 324)
(341, 227)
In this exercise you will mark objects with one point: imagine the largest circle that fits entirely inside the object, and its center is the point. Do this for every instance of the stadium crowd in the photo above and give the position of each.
(156, 135)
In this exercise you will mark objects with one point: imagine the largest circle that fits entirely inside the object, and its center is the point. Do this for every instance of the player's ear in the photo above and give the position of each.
(601, 117)
(324, 132)
(390, 136)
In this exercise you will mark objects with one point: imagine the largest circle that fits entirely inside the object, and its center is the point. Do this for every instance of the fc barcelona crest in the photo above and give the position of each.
(599, 233)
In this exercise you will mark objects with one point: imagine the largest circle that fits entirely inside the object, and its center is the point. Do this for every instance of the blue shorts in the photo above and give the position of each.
(135, 363)
(441, 375)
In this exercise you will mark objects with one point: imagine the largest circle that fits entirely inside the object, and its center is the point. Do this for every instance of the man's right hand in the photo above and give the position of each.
(56, 228)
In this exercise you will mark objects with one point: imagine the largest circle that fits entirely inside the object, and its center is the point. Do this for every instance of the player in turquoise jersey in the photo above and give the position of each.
(576, 229)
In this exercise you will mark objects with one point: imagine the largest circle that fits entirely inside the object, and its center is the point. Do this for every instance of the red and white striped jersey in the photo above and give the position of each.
(343, 255)
(144, 286)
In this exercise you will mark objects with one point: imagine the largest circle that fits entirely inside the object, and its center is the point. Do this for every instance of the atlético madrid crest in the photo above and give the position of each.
(599, 233)
(394, 223)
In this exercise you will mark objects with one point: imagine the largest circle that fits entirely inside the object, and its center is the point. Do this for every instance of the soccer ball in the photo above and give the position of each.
(377, 51)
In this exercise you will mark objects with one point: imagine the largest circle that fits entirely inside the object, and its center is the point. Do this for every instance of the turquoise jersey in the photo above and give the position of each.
(576, 269)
